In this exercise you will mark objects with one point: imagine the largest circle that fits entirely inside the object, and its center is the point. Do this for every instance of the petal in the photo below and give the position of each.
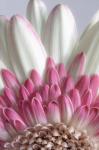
(75, 98)
(38, 111)
(10, 97)
(2, 66)
(50, 63)
(94, 20)
(93, 114)
(53, 112)
(26, 113)
(52, 76)
(94, 85)
(60, 33)
(36, 78)
(89, 43)
(2, 101)
(66, 108)
(77, 66)
(25, 48)
(80, 118)
(10, 80)
(45, 94)
(12, 117)
(87, 97)
(54, 92)
(83, 84)
(4, 135)
(29, 85)
(68, 84)
(4, 56)
(24, 94)
(61, 71)
(37, 14)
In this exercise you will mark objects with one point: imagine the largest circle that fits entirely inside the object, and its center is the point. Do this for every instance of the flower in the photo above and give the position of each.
(43, 104)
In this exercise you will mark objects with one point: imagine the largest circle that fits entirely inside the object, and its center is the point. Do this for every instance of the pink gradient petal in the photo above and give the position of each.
(29, 85)
(38, 111)
(76, 68)
(66, 108)
(10, 79)
(53, 112)
(93, 114)
(2, 101)
(83, 84)
(11, 116)
(10, 97)
(53, 77)
(75, 98)
(54, 92)
(95, 124)
(45, 94)
(80, 118)
(61, 71)
(4, 135)
(36, 78)
(68, 85)
(19, 126)
(87, 97)
(94, 84)
(24, 94)
(26, 113)
(50, 63)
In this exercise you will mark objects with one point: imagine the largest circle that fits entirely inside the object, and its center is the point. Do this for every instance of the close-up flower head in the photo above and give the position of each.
(49, 81)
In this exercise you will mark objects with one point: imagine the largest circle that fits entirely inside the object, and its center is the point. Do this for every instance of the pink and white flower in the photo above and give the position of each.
(49, 99)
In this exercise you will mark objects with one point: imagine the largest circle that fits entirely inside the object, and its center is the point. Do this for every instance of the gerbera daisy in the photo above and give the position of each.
(45, 105)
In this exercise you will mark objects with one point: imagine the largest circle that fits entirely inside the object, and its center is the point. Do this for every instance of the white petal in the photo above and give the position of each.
(3, 43)
(95, 19)
(26, 50)
(60, 33)
(37, 14)
(2, 66)
(89, 43)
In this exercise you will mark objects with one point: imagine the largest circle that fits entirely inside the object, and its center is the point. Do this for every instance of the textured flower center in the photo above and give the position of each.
(51, 137)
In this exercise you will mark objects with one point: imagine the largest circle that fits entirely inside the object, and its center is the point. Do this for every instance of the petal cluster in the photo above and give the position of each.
(54, 99)
(46, 50)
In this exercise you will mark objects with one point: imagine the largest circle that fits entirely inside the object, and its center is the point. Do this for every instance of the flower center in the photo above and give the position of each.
(51, 137)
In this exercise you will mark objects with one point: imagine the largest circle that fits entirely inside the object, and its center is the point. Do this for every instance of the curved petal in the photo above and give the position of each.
(13, 118)
(35, 77)
(87, 97)
(60, 33)
(75, 98)
(2, 66)
(83, 84)
(10, 80)
(94, 85)
(4, 135)
(38, 111)
(89, 43)
(53, 112)
(37, 14)
(29, 85)
(4, 56)
(80, 117)
(66, 109)
(25, 48)
(77, 66)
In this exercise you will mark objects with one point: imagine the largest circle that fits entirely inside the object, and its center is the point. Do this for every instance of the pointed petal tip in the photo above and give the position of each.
(37, 14)
(24, 37)
(95, 18)
(60, 33)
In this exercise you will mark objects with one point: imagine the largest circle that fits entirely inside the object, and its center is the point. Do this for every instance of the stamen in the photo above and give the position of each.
(51, 137)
